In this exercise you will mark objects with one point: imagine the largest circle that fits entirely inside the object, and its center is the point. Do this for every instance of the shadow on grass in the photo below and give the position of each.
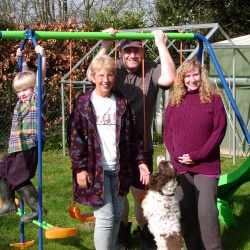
(238, 239)
(72, 243)
(10, 234)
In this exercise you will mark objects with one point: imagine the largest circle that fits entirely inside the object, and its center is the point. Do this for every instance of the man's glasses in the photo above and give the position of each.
(109, 76)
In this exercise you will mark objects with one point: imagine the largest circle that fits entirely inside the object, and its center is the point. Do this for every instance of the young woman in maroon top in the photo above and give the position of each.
(194, 127)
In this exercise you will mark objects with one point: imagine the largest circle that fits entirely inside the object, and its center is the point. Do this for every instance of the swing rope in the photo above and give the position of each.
(181, 46)
(70, 103)
(116, 49)
(70, 76)
(73, 210)
(144, 101)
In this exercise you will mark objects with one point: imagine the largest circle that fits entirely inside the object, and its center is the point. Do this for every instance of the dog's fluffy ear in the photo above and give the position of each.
(160, 158)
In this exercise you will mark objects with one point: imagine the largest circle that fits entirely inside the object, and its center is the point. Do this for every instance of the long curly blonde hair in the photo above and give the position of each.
(179, 90)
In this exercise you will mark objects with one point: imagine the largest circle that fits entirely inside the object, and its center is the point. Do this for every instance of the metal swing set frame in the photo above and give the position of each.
(56, 232)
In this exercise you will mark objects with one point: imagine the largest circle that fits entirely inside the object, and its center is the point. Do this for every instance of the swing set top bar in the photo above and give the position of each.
(31, 34)
(88, 35)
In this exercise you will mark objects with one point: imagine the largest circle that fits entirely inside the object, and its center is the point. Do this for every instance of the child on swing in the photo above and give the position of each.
(19, 165)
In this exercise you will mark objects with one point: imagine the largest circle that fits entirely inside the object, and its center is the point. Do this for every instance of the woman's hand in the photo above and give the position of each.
(144, 173)
(185, 159)
(83, 179)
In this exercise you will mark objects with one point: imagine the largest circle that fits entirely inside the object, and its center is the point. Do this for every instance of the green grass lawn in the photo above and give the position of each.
(57, 198)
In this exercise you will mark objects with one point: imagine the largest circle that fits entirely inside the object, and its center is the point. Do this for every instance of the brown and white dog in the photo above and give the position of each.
(161, 208)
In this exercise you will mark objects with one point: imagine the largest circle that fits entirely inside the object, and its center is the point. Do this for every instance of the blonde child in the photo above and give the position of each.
(19, 165)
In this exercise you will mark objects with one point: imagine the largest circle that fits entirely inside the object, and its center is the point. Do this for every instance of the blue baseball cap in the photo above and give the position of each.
(130, 43)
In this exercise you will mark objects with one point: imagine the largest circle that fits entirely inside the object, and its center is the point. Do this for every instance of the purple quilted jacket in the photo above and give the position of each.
(85, 151)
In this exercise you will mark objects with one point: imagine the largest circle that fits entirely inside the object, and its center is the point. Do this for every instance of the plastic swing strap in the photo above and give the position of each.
(144, 97)
(70, 76)
(144, 194)
(144, 107)
(116, 49)
(70, 107)
(73, 210)
(181, 46)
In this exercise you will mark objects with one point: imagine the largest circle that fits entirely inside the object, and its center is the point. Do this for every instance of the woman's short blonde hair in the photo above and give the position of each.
(24, 80)
(102, 62)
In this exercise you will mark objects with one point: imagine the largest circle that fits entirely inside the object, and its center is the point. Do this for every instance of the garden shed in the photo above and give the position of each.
(233, 56)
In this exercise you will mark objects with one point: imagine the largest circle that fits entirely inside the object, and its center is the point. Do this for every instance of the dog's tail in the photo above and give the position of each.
(160, 158)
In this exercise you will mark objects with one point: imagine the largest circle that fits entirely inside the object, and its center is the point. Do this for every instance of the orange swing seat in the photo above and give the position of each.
(75, 214)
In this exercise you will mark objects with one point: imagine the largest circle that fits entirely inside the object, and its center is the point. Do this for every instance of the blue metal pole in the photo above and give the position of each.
(22, 237)
(224, 83)
(30, 36)
(200, 51)
(39, 78)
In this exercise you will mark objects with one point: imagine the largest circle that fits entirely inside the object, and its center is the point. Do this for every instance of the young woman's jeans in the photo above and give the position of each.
(109, 215)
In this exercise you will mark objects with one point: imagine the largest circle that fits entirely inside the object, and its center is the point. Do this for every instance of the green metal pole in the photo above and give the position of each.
(104, 35)
(92, 35)
(13, 34)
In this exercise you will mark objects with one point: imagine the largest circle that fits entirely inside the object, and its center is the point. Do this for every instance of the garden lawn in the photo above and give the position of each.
(57, 198)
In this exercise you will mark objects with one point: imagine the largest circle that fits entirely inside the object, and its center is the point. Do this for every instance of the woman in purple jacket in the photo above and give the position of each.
(194, 127)
(103, 141)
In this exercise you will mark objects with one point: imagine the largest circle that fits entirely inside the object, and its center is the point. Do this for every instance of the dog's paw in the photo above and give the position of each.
(160, 158)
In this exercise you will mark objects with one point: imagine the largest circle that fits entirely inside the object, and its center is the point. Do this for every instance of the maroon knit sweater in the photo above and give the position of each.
(196, 129)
